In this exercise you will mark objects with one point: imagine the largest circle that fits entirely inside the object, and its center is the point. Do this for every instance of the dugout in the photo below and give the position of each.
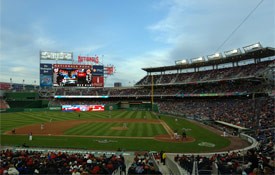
(232, 129)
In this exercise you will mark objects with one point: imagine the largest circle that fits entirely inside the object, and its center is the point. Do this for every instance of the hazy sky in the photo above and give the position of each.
(131, 34)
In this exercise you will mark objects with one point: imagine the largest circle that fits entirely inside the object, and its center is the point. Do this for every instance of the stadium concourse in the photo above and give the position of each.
(234, 94)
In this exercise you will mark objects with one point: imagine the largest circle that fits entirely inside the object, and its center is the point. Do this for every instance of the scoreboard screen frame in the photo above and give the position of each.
(75, 75)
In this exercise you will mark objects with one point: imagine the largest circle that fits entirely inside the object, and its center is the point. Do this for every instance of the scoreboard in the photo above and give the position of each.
(71, 75)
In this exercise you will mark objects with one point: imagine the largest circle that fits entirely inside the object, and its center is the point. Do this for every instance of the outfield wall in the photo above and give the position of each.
(26, 109)
(28, 103)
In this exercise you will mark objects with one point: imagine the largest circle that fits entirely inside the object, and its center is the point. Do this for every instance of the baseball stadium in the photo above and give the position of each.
(205, 115)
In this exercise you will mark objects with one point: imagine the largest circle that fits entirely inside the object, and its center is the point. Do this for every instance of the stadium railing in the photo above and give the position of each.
(176, 169)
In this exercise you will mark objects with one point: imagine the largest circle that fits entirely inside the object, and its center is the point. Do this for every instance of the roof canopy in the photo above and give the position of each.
(256, 54)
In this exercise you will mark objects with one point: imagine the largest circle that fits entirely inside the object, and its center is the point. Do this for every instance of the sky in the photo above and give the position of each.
(129, 34)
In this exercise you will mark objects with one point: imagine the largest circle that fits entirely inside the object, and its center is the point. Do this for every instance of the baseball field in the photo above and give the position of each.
(109, 130)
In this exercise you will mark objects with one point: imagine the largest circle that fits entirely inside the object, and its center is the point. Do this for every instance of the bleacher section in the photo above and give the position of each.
(3, 105)
(36, 162)
(232, 73)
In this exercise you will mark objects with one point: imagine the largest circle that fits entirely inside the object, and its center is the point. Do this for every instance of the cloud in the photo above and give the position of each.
(197, 28)
(19, 52)
(177, 29)
(166, 29)
(44, 42)
(88, 49)
(18, 69)
(130, 69)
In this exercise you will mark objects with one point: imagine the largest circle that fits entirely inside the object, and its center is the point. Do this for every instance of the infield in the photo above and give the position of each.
(67, 130)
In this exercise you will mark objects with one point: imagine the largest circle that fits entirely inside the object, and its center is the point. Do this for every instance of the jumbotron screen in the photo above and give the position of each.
(78, 75)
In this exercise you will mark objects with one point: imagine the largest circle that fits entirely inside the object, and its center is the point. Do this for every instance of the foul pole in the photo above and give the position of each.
(152, 92)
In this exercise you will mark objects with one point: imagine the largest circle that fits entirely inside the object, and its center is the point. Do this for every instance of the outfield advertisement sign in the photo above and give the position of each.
(57, 108)
(82, 108)
(45, 80)
(98, 70)
(46, 69)
(81, 96)
(98, 81)
(88, 59)
(66, 56)
(46, 75)
(73, 151)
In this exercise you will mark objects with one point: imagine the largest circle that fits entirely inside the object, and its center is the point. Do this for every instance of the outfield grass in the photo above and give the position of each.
(104, 129)
(14, 120)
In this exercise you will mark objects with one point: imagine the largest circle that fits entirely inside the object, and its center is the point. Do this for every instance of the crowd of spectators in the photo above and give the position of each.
(232, 86)
(34, 162)
(186, 162)
(236, 72)
(79, 92)
(251, 162)
(247, 112)
(256, 114)
(231, 79)
(198, 76)
(3, 104)
(143, 164)
(222, 80)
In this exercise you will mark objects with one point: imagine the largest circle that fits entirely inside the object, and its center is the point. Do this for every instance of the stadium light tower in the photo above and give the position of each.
(232, 52)
(23, 84)
(252, 47)
(198, 60)
(215, 56)
(10, 83)
(182, 62)
(34, 84)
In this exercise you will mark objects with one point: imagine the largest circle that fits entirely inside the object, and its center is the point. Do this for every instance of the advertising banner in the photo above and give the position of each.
(88, 59)
(68, 66)
(109, 70)
(98, 81)
(5, 86)
(98, 70)
(82, 108)
(45, 80)
(66, 56)
(46, 69)
(46, 75)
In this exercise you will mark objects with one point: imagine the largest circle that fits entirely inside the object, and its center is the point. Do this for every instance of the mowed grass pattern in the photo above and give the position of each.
(18, 119)
(108, 129)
